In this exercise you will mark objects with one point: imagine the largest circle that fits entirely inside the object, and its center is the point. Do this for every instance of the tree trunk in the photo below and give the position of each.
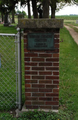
(52, 12)
(53, 8)
(13, 13)
(45, 8)
(34, 5)
(29, 13)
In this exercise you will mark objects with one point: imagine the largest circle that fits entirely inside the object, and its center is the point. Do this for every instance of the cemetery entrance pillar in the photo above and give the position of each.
(41, 59)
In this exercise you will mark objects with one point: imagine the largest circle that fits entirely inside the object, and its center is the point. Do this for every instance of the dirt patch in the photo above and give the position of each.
(72, 33)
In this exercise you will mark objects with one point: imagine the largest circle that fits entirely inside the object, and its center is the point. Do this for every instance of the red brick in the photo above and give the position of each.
(45, 73)
(45, 107)
(56, 55)
(37, 94)
(31, 81)
(52, 68)
(55, 81)
(56, 41)
(30, 64)
(52, 77)
(27, 59)
(27, 94)
(45, 98)
(31, 90)
(27, 103)
(52, 86)
(55, 64)
(55, 99)
(37, 77)
(31, 55)
(55, 90)
(38, 59)
(38, 103)
(45, 64)
(27, 68)
(27, 85)
(31, 72)
(52, 59)
(57, 50)
(56, 45)
(56, 36)
(45, 90)
(25, 46)
(25, 40)
(55, 73)
(31, 107)
(31, 98)
(45, 81)
(27, 77)
(25, 50)
(45, 55)
(52, 94)
(37, 68)
(38, 85)
(52, 103)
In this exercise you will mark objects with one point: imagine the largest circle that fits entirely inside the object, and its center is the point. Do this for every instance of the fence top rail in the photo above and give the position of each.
(6, 34)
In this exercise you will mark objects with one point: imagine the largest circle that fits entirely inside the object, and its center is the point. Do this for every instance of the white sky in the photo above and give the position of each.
(68, 10)
(64, 11)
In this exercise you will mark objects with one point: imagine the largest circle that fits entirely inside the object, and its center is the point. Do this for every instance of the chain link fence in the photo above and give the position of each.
(8, 76)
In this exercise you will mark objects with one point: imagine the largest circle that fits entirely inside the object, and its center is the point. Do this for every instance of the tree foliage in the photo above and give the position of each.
(7, 6)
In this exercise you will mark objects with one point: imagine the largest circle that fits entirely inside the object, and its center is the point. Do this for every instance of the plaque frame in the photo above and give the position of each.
(40, 41)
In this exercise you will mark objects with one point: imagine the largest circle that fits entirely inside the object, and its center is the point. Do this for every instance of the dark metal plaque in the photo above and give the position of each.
(40, 41)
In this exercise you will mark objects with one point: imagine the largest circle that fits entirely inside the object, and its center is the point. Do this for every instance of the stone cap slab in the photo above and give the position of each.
(40, 23)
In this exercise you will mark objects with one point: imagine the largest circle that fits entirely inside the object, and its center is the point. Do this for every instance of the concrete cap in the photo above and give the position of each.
(40, 23)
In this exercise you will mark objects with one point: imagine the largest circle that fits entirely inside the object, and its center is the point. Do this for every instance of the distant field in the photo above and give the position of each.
(69, 19)
(66, 17)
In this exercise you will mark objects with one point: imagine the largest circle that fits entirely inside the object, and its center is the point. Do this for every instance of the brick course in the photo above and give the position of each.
(42, 75)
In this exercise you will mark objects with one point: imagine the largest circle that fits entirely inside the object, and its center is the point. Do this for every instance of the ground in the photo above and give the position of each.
(73, 33)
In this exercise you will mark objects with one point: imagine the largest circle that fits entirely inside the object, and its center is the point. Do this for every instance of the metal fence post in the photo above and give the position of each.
(19, 71)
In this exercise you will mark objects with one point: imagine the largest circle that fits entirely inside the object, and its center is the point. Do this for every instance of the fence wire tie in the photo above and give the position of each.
(18, 72)
(17, 103)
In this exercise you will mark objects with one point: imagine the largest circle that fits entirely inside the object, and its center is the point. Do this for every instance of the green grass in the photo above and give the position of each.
(7, 70)
(7, 73)
(11, 29)
(68, 73)
(69, 19)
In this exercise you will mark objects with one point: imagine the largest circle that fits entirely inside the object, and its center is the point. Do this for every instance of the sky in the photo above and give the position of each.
(67, 10)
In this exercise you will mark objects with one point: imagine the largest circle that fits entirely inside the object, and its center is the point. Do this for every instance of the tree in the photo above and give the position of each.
(6, 6)
(52, 4)
(29, 13)
(13, 13)
(45, 8)
(34, 5)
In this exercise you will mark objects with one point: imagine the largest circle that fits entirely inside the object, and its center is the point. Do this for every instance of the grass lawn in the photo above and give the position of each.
(68, 73)
(11, 29)
(68, 78)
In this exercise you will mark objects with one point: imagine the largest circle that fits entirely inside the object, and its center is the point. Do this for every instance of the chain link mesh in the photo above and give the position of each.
(8, 66)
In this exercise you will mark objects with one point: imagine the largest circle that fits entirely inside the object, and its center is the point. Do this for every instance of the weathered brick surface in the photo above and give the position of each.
(42, 76)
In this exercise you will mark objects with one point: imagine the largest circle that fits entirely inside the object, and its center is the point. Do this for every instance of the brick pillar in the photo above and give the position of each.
(42, 73)
(42, 76)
